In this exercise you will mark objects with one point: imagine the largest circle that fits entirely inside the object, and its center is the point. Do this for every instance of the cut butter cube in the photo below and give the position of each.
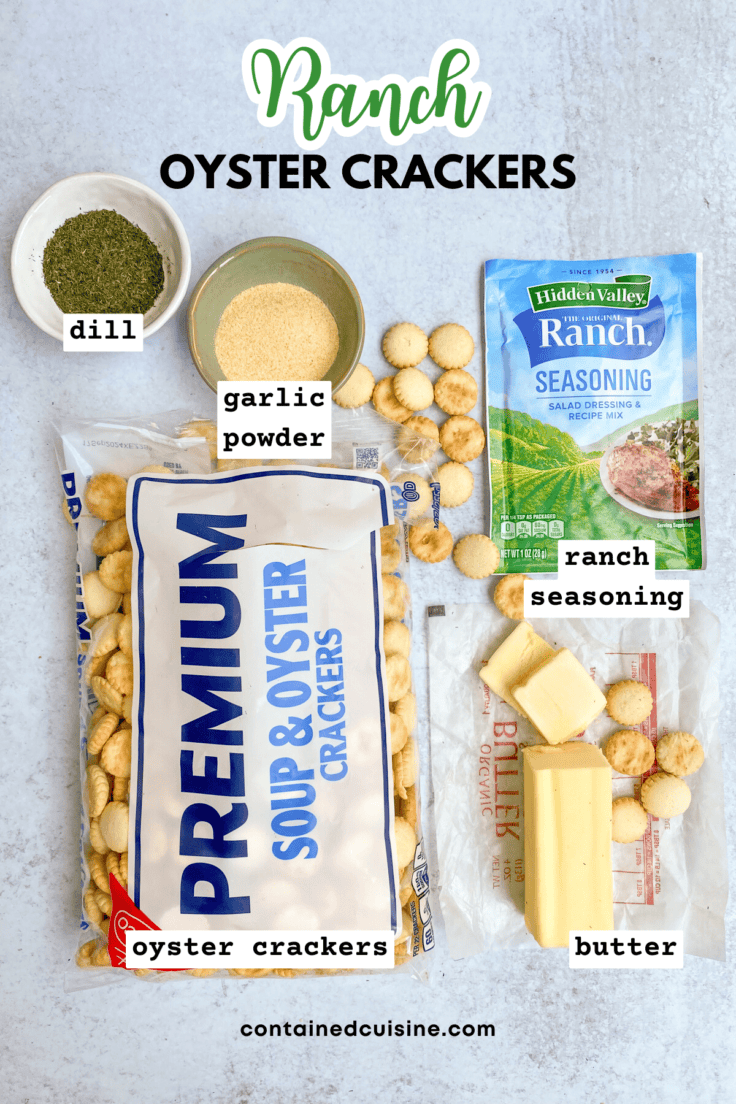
(521, 652)
(559, 697)
(567, 842)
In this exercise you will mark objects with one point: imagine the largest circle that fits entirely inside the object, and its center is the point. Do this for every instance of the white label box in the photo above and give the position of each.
(103, 333)
(274, 420)
(626, 950)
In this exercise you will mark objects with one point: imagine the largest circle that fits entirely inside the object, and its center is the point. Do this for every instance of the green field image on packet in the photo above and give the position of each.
(593, 384)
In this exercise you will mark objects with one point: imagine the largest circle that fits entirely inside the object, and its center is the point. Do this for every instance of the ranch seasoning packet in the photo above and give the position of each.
(593, 373)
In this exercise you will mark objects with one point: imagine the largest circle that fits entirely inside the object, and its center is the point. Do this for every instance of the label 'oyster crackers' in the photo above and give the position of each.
(593, 386)
(261, 792)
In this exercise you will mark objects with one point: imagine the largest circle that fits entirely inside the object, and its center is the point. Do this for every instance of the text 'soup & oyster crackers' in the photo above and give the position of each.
(593, 385)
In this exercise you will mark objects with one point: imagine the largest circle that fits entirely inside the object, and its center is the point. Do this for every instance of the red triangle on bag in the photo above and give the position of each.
(126, 916)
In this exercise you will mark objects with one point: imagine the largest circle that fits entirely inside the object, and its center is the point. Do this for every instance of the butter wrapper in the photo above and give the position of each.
(674, 878)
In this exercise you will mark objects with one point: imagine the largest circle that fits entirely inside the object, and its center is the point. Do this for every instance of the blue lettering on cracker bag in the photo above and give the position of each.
(593, 373)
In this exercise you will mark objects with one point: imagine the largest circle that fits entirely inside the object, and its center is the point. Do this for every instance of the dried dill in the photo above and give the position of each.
(100, 263)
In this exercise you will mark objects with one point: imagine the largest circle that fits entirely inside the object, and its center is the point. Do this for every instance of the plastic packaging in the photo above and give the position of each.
(111, 655)
(674, 878)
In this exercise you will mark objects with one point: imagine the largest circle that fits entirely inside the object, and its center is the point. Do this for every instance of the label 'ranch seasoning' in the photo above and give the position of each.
(100, 263)
(276, 332)
(593, 374)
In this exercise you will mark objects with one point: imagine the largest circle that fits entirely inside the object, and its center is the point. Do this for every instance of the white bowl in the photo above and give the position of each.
(94, 192)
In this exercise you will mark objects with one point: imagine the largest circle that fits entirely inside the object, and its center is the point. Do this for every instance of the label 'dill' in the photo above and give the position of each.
(103, 333)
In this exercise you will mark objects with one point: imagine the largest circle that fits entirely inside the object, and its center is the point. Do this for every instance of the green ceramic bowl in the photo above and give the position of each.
(270, 261)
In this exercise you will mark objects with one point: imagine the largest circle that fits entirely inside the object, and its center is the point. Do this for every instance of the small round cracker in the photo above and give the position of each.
(429, 544)
(390, 553)
(456, 392)
(629, 702)
(396, 638)
(98, 714)
(121, 788)
(101, 732)
(111, 537)
(456, 483)
(405, 345)
(106, 635)
(451, 346)
(628, 820)
(406, 708)
(406, 841)
(105, 496)
(125, 635)
(663, 795)
(386, 402)
(629, 751)
(406, 891)
(107, 695)
(408, 806)
(357, 389)
(394, 598)
(112, 866)
(462, 438)
(201, 427)
(508, 594)
(95, 837)
(98, 871)
(679, 753)
(98, 789)
(115, 571)
(115, 755)
(95, 665)
(114, 825)
(399, 734)
(98, 599)
(405, 767)
(119, 673)
(418, 439)
(413, 389)
(398, 677)
(476, 556)
(416, 492)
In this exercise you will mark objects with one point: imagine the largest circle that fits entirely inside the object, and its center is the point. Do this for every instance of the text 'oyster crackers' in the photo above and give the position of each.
(593, 380)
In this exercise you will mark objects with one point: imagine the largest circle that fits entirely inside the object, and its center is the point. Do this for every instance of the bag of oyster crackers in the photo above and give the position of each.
(250, 623)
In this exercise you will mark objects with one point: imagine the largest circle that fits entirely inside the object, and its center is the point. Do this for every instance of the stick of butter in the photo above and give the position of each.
(521, 653)
(559, 697)
(567, 842)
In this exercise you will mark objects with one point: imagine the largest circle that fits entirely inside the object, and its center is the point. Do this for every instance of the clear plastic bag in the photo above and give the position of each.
(181, 444)
(675, 877)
